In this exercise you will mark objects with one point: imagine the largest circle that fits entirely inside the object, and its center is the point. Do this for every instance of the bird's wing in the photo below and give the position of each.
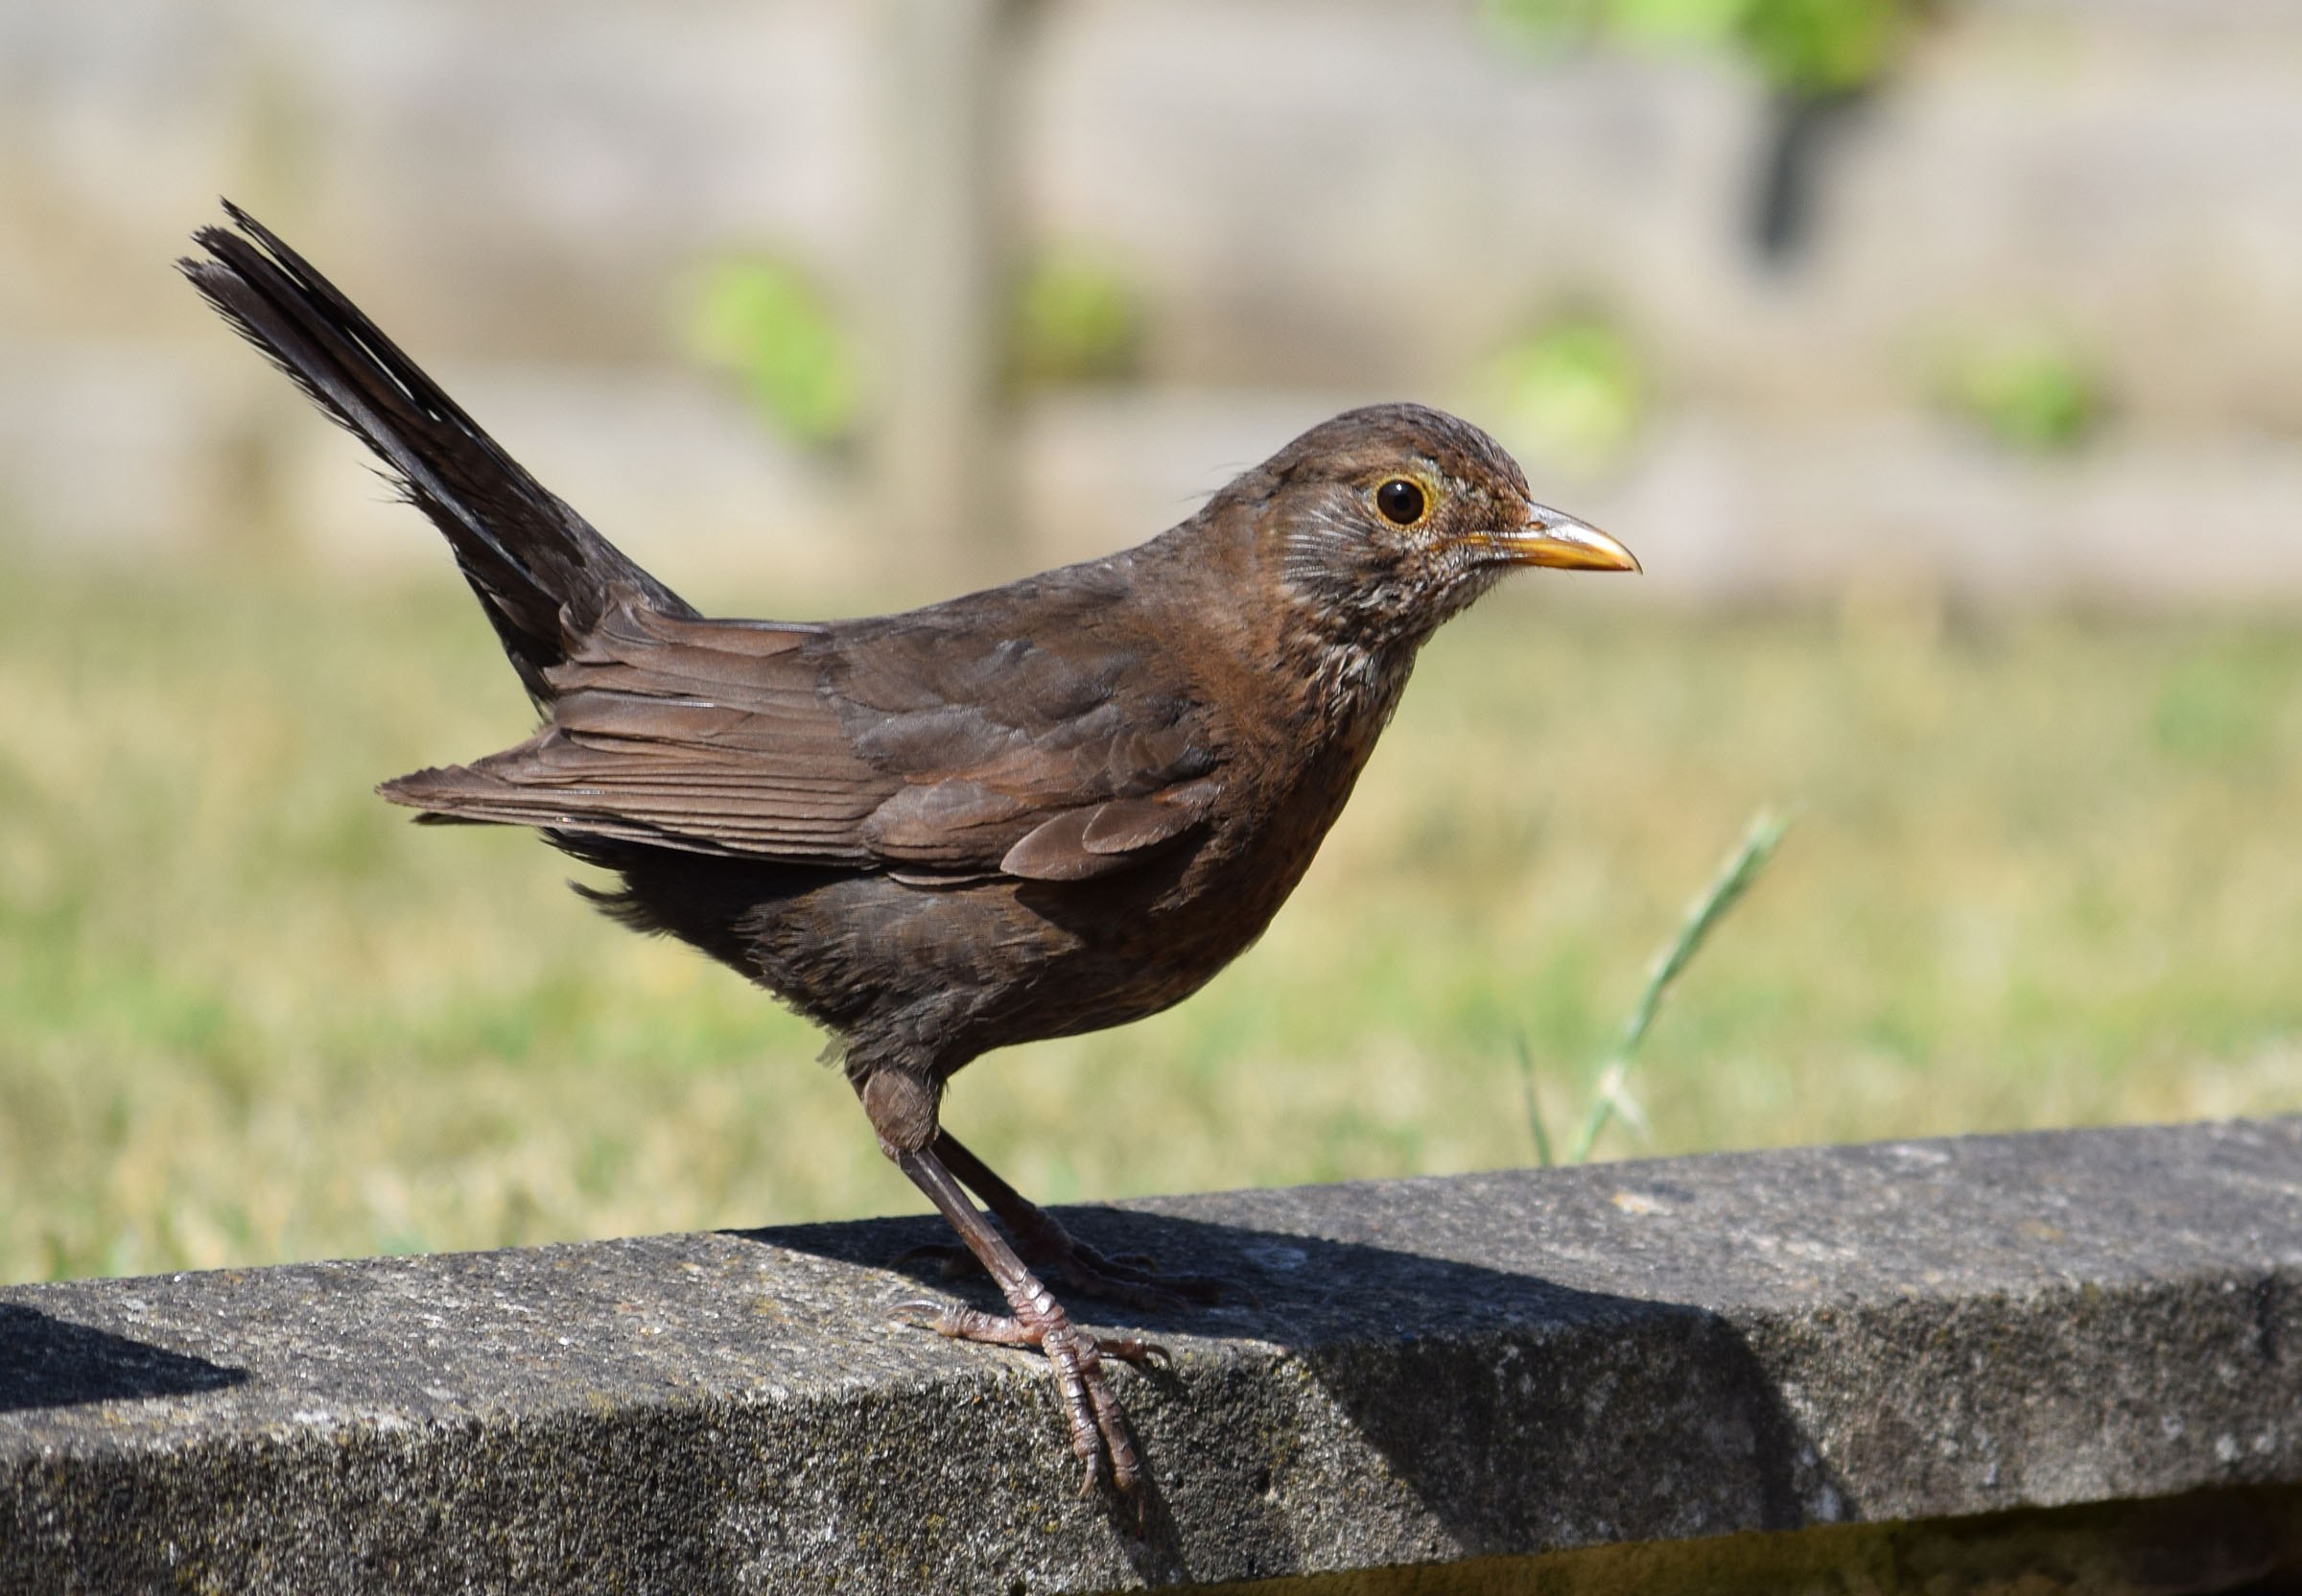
(1027, 731)
(943, 744)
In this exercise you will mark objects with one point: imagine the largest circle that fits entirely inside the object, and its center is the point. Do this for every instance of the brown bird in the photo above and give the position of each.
(1032, 811)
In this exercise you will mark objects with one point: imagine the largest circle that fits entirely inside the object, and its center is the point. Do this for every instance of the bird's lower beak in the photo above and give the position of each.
(1561, 542)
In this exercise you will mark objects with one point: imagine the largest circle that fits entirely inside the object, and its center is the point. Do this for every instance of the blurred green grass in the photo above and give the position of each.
(2046, 871)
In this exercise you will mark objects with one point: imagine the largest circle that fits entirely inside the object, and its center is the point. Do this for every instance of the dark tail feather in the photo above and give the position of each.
(528, 557)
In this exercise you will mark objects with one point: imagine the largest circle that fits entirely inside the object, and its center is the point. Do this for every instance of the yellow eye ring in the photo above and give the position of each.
(1401, 501)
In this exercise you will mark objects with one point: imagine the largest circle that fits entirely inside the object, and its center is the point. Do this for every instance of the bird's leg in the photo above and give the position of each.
(1045, 1245)
(1035, 1319)
(1098, 1428)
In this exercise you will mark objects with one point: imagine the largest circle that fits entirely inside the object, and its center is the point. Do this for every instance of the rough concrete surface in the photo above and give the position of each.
(1485, 1366)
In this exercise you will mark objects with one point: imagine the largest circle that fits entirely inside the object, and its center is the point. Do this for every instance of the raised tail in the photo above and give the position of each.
(542, 573)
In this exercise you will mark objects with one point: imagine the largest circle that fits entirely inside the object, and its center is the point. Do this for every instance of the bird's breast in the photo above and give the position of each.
(1285, 786)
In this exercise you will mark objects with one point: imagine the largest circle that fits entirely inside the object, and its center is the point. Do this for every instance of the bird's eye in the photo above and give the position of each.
(1400, 500)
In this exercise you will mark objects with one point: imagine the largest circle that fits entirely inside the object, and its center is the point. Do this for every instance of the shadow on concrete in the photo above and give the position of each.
(46, 1362)
(1512, 1411)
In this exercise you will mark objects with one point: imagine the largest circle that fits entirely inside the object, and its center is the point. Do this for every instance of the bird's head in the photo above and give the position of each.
(1385, 522)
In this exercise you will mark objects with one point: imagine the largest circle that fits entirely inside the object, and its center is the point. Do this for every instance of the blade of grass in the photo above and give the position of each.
(1526, 1082)
(1613, 1097)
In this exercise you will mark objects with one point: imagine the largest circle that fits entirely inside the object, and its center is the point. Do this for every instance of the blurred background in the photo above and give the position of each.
(1938, 358)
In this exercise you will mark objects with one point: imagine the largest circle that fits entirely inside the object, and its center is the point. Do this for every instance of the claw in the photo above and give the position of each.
(951, 1262)
(1134, 1349)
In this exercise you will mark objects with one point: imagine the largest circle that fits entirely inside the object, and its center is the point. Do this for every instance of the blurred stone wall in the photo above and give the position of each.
(1317, 203)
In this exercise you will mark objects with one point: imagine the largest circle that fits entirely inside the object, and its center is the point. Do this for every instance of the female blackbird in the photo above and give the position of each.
(1031, 812)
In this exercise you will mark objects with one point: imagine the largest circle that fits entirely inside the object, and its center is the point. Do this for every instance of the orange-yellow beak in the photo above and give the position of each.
(1561, 542)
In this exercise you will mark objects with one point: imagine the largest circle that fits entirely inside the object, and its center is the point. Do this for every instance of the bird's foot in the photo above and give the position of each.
(1129, 1280)
(1098, 1428)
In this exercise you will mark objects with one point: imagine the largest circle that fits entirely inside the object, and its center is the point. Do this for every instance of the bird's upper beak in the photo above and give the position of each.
(1552, 538)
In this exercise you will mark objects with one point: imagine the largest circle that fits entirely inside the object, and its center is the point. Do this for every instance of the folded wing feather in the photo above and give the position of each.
(735, 738)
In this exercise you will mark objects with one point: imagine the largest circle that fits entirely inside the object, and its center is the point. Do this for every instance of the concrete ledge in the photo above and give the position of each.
(1493, 1367)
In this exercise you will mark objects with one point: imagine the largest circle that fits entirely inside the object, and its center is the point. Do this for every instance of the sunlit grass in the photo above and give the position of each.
(2045, 872)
